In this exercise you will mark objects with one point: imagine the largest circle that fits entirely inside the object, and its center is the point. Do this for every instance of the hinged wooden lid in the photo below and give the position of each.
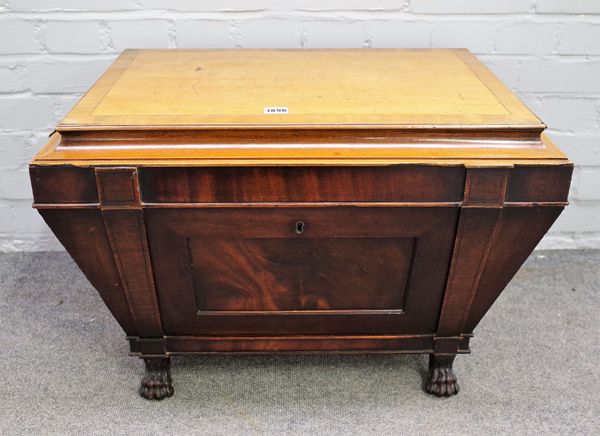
(299, 105)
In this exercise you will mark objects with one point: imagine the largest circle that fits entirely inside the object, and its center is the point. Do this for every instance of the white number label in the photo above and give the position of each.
(276, 110)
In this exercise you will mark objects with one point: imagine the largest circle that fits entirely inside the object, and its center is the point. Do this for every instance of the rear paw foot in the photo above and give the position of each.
(156, 383)
(441, 380)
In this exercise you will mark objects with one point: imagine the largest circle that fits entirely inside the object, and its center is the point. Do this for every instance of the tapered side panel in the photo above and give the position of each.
(83, 234)
(476, 230)
(520, 230)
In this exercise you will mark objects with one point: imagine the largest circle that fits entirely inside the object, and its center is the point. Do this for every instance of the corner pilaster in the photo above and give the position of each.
(120, 204)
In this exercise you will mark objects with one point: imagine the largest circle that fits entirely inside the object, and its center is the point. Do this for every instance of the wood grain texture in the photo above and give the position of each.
(64, 184)
(275, 184)
(530, 183)
(297, 274)
(485, 187)
(118, 187)
(408, 88)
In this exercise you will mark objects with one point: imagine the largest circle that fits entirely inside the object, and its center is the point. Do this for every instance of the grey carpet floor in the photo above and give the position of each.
(534, 368)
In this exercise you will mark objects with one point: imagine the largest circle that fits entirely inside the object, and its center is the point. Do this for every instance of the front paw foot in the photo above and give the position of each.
(156, 383)
(441, 380)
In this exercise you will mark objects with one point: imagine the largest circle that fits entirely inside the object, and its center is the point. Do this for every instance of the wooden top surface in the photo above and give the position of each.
(150, 89)
(345, 107)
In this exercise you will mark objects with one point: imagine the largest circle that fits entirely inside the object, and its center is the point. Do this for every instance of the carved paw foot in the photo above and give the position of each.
(156, 383)
(441, 380)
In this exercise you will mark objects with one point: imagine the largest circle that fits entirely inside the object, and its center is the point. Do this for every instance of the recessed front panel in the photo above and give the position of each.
(269, 275)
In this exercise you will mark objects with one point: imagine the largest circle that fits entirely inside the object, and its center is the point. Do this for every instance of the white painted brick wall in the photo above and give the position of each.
(476, 35)
(139, 34)
(72, 37)
(470, 6)
(62, 76)
(548, 51)
(576, 115)
(203, 33)
(568, 6)
(281, 33)
(18, 36)
(579, 38)
(12, 78)
(526, 37)
(575, 75)
(391, 33)
(334, 34)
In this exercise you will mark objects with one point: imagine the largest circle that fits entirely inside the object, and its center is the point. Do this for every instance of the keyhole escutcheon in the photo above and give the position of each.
(300, 227)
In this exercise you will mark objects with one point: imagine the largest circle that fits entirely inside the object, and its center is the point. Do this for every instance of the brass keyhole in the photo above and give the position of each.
(300, 227)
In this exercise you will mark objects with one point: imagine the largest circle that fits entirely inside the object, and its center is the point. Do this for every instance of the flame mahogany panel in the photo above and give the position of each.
(295, 274)
(406, 183)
